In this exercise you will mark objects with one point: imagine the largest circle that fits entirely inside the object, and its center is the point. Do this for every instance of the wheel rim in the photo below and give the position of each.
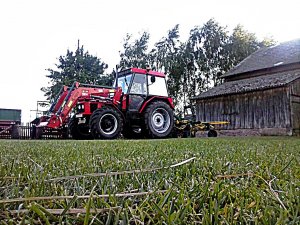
(108, 124)
(160, 120)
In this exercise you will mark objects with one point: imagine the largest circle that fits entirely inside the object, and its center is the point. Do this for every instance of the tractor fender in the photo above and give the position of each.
(115, 107)
(168, 100)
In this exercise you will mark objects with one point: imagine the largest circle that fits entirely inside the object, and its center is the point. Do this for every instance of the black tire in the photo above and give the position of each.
(193, 134)
(187, 131)
(130, 133)
(65, 133)
(175, 133)
(186, 134)
(212, 133)
(106, 123)
(159, 120)
(79, 131)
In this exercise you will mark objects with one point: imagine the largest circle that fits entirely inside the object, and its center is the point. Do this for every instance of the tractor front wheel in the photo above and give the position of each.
(78, 131)
(159, 120)
(106, 123)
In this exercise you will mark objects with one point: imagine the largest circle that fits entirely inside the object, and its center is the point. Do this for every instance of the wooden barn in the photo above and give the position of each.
(260, 96)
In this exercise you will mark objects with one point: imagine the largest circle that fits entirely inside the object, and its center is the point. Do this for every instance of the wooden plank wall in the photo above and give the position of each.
(295, 106)
(254, 110)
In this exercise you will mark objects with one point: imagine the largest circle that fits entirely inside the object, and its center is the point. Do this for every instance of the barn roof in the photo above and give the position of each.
(278, 55)
(252, 84)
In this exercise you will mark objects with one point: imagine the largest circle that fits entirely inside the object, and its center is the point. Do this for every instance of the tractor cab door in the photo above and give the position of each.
(137, 93)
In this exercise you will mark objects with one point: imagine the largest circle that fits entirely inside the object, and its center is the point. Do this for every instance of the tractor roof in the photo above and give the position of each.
(141, 71)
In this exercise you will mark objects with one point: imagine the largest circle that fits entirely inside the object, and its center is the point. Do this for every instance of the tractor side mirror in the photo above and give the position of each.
(152, 79)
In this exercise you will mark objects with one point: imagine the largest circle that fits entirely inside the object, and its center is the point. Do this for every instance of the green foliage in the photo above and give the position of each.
(267, 42)
(76, 66)
(208, 46)
(242, 44)
(230, 181)
(135, 53)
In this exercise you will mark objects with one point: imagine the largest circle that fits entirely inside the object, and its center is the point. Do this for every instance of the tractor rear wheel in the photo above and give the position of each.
(106, 123)
(78, 131)
(159, 120)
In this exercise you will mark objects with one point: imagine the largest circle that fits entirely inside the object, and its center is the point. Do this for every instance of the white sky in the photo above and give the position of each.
(34, 33)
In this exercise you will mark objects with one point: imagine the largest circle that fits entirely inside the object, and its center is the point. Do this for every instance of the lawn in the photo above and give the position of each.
(174, 181)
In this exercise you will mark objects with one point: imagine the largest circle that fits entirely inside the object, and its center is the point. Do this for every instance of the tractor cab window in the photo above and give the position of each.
(124, 82)
(139, 85)
(157, 86)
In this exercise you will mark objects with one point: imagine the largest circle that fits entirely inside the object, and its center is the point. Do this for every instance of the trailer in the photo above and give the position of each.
(10, 119)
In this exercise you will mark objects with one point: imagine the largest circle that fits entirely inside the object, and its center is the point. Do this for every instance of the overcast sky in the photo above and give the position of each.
(34, 33)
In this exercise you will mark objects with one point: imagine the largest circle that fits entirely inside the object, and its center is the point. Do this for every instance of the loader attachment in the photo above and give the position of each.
(68, 97)
(188, 126)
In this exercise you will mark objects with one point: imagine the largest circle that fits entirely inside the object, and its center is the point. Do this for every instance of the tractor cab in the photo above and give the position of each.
(139, 85)
(142, 82)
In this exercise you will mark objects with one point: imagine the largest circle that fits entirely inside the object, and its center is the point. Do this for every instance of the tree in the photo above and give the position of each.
(76, 66)
(242, 43)
(207, 57)
(135, 53)
(267, 42)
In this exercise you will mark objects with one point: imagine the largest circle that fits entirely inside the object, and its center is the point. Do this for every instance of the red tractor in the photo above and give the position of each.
(137, 106)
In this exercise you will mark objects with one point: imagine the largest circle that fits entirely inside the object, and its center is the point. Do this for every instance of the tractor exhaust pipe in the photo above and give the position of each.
(117, 76)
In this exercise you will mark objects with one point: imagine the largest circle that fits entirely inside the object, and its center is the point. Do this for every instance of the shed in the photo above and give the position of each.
(260, 96)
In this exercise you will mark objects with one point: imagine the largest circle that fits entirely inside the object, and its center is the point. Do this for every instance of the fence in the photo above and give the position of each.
(28, 131)
(5, 131)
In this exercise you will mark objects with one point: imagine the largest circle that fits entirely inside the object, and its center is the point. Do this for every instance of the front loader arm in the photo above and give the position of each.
(69, 100)
(65, 107)
(52, 119)
(58, 100)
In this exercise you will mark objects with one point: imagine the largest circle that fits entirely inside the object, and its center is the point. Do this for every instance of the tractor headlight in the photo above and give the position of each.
(80, 108)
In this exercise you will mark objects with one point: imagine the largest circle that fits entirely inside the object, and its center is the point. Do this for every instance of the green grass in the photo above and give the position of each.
(230, 181)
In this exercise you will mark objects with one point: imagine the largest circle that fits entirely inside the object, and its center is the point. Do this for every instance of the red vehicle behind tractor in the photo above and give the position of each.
(137, 105)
